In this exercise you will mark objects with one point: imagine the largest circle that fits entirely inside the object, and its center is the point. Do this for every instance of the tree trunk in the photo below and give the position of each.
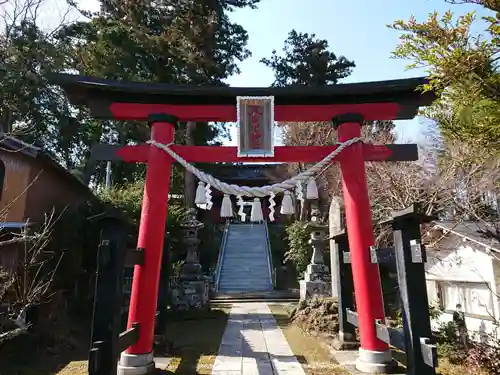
(189, 178)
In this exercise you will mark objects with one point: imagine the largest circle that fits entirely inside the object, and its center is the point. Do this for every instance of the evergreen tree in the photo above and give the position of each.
(160, 41)
(307, 61)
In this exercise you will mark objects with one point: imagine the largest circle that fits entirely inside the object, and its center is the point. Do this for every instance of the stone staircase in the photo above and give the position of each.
(245, 261)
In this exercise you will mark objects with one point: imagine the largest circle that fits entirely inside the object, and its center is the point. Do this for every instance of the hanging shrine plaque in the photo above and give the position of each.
(256, 126)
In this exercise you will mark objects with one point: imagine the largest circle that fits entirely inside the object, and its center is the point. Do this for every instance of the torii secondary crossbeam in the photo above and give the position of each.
(163, 106)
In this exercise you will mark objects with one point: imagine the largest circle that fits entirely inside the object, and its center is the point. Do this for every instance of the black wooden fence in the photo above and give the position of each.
(107, 340)
(415, 338)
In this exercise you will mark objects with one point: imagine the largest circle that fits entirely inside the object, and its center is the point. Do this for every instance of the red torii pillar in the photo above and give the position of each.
(374, 354)
(154, 212)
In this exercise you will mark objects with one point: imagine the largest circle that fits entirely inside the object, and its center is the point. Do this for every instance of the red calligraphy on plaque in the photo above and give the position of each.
(255, 114)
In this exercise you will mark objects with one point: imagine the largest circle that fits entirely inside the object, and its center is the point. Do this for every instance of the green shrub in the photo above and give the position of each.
(481, 357)
(449, 345)
(128, 199)
(278, 242)
(299, 250)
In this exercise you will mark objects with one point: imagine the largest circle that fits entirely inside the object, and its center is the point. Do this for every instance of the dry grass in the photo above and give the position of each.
(195, 339)
(75, 368)
(447, 368)
(196, 342)
(46, 354)
(313, 356)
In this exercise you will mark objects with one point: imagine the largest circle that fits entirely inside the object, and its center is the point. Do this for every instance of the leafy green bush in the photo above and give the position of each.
(448, 344)
(299, 251)
(481, 358)
(279, 243)
(128, 199)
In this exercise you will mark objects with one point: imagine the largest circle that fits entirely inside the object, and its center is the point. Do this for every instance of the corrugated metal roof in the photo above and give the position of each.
(470, 230)
(13, 225)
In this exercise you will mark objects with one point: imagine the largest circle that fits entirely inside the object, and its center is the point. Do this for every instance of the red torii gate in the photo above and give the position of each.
(163, 106)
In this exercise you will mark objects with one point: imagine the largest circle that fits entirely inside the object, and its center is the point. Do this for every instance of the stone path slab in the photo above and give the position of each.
(253, 344)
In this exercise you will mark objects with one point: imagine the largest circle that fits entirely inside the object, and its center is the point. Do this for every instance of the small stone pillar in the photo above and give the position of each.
(336, 225)
(193, 288)
(317, 281)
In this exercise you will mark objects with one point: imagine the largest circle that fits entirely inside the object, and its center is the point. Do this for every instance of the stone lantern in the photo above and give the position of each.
(193, 288)
(191, 269)
(317, 279)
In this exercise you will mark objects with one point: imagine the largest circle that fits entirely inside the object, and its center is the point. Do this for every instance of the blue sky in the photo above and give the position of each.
(354, 28)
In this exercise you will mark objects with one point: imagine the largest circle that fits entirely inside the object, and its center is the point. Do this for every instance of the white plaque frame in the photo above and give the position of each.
(267, 152)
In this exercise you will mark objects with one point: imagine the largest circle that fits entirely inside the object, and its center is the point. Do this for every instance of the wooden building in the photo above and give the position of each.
(32, 184)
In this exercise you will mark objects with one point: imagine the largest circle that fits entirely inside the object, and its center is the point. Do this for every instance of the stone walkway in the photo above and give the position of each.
(253, 344)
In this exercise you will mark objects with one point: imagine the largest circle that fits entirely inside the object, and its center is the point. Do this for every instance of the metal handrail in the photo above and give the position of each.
(220, 257)
(269, 255)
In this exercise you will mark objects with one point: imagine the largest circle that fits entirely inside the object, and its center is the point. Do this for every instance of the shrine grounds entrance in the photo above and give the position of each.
(346, 106)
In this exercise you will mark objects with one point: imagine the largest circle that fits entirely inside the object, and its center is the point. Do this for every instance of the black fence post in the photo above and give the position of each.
(106, 320)
(347, 331)
(410, 260)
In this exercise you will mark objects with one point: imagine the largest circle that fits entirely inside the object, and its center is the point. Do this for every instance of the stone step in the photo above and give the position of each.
(275, 294)
(240, 267)
(240, 283)
(248, 257)
(242, 273)
(245, 264)
(245, 272)
(240, 254)
(250, 273)
(245, 290)
(242, 290)
(245, 242)
(247, 275)
(243, 282)
(239, 249)
(245, 252)
(258, 255)
(247, 227)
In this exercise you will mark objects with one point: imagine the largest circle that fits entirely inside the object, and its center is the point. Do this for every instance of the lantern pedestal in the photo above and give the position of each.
(316, 283)
(191, 295)
(193, 288)
(317, 279)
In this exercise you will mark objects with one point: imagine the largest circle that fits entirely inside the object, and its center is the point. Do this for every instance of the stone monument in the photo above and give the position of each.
(193, 288)
(317, 280)
(336, 226)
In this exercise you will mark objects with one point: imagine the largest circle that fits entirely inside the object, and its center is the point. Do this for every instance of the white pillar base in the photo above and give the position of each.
(136, 364)
(372, 362)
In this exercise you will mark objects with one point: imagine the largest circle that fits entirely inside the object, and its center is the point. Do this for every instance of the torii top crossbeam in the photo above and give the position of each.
(385, 100)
